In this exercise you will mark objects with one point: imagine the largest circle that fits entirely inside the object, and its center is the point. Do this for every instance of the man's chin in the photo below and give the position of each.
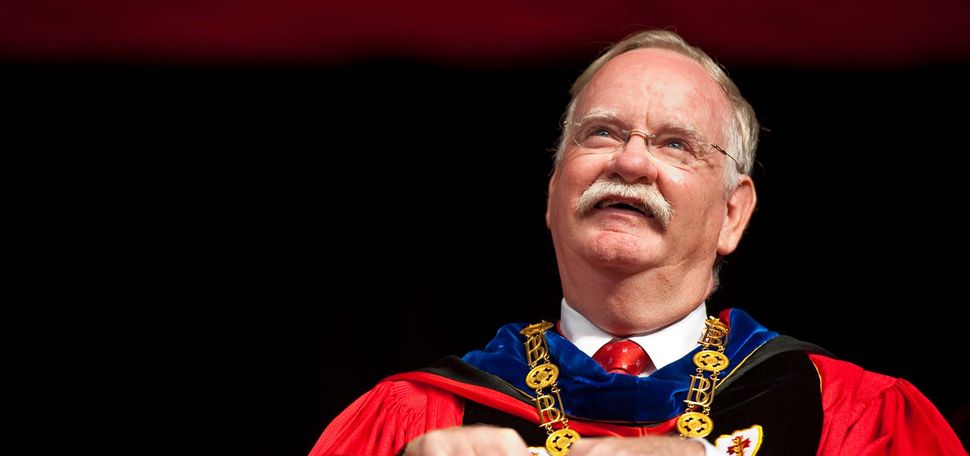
(617, 250)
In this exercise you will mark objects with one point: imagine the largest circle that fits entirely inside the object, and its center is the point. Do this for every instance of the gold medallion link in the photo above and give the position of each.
(711, 360)
(542, 376)
(694, 425)
(557, 444)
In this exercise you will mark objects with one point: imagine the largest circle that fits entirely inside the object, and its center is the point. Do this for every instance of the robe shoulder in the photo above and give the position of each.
(387, 417)
(866, 413)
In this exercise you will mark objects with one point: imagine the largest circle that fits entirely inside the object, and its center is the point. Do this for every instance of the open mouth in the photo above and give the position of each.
(623, 204)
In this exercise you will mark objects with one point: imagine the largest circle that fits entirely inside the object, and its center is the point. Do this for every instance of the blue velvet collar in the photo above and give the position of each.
(589, 392)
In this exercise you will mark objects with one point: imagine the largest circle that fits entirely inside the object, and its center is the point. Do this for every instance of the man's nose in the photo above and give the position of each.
(633, 162)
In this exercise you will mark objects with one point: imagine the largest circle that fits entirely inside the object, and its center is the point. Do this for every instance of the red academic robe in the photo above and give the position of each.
(864, 413)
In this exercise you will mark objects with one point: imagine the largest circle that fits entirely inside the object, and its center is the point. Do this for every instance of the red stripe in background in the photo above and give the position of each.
(859, 33)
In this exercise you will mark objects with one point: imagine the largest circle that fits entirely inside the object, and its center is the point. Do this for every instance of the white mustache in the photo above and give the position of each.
(643, 193)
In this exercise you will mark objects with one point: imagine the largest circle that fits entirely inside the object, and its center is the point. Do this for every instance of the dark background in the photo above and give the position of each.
(303, 232)
(283, 230)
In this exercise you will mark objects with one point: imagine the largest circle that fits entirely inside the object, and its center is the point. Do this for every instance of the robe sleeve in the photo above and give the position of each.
(866, 413)
(387, 417)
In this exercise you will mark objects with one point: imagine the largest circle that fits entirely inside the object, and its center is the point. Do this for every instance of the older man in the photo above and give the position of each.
(650, 189)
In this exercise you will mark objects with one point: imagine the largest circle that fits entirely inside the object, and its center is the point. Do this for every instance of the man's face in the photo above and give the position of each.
(650, 90)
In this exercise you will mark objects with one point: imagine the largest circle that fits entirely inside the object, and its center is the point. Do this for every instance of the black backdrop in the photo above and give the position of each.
(283, 237)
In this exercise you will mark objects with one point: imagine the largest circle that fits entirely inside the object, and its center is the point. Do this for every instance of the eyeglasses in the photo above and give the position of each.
(672, 144)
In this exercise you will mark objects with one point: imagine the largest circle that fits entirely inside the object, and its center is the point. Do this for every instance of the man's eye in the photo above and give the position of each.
(601, 132)
(677, 144)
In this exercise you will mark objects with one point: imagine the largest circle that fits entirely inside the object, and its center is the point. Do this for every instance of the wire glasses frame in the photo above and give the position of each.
(606, 136)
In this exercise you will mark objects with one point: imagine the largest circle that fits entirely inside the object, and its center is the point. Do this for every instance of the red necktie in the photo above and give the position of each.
(622, 357)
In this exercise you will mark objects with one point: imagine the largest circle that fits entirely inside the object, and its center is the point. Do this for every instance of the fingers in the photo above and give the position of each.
(644, 446)
(477, 440)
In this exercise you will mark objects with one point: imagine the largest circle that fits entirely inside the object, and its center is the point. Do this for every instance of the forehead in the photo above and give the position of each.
(657, 86)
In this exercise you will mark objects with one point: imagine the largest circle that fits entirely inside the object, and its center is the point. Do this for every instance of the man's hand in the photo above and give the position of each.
(468, 440)
(647, 445)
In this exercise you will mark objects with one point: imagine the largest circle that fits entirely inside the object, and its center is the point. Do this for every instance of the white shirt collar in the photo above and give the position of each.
(664, 346)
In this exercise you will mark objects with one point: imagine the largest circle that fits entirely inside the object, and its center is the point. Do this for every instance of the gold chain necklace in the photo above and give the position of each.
(695, 422)
(549, 405)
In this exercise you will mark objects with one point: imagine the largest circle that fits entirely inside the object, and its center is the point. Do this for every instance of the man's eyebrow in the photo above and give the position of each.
(603, 114)
(681, 129)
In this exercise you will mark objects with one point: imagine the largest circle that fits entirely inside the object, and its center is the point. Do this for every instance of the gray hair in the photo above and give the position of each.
(742, 129)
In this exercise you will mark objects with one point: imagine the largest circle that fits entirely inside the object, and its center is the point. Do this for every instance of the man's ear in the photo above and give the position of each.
(549, 191)
(740, 205)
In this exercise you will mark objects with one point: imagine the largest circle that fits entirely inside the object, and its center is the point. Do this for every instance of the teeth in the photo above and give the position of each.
(611, 203)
